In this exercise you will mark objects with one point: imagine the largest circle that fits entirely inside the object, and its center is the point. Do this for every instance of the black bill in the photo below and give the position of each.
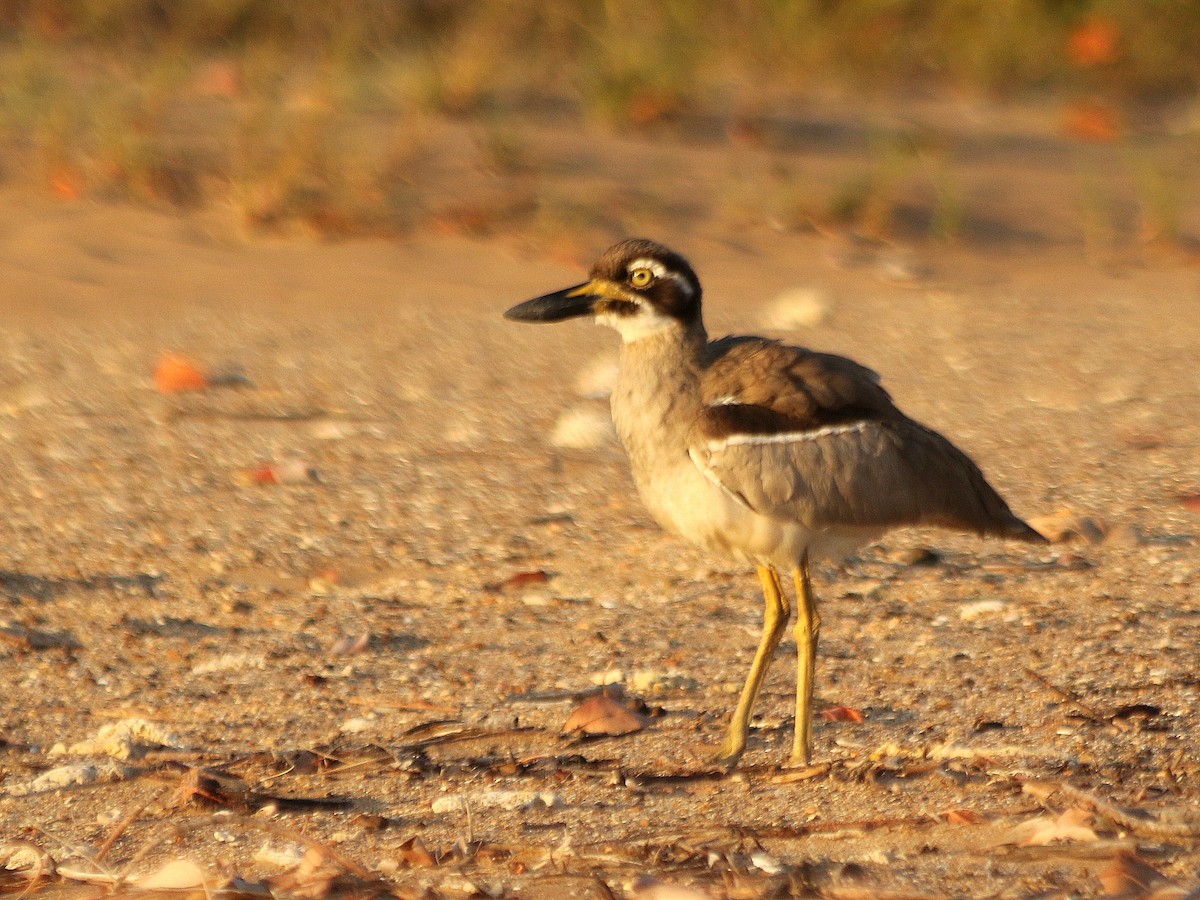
(569, 303)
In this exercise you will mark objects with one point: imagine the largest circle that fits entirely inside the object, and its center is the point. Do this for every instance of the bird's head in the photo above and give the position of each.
(638, 287)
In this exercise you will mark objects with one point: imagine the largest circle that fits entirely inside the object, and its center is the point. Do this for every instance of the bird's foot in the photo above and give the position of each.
(799, 759)
(801, 751)
(727, 756)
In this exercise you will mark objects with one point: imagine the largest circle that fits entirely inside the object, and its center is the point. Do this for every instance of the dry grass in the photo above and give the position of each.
(319, 114)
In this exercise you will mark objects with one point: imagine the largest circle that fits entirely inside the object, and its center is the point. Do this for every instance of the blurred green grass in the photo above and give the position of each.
(314, 111)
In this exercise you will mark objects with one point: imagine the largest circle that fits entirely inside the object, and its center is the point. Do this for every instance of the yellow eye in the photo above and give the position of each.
(639, 278)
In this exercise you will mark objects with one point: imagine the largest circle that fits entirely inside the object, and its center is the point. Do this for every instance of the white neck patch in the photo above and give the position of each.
(646, 322)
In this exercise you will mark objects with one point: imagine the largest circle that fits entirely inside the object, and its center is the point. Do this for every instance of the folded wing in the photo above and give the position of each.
(797, 435)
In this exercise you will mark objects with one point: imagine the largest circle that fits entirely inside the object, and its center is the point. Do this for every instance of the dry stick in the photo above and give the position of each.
(279, 831)
(271, 828)
(80, 851)
(121, 827)
(40, 872)
(1090, 711)
(1188, 824)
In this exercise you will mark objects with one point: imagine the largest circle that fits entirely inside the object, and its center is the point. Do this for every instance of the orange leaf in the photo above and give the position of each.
(287, 471)
(1093, 43)
(175, 375)
(66, 184)
(521, 579)
(1092, 120)
(606, 714)
(963, 817)
(264, 474)
(648, 107)
(843, 714)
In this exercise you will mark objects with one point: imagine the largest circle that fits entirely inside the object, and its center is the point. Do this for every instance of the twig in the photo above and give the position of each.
(121, 827)
(1088, 710)
(1187, 824)
(279, 831)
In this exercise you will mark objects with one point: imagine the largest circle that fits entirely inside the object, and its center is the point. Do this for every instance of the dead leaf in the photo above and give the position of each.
(350, 644)
(1129, 876)
(518, 580)
(1093, 43)
(963, 817)
(24, 861)
(311, 879)
(608, 713)
(221, 78)
(1143, 439)
(413, 854)
(288, 471)
(1140, 711)
(1073, 825)
(842, 714)
(649, 106)
(1190, 502)
(646, 888)
(66, 183)
(1064, 526)
(176, 374)
(1092, 120)
(224, 791)
(176, 875)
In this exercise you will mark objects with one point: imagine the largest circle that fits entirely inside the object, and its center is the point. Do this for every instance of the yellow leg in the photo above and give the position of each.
(775, 617)
(808, 630)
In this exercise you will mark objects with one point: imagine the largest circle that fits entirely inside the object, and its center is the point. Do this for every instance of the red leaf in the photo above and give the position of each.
(264, 474)
(176, 374)
(842, 714)
(523, 579)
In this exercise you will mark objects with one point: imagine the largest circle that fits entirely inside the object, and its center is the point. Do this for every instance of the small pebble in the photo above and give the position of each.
(356, 725)
(972, 611)
(596, 379)
(515, 801)
(796, 308)
(583, 428)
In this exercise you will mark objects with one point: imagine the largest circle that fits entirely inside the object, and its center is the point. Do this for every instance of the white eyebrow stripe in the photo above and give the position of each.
(660, 271)
(784, 437)
(657, 268)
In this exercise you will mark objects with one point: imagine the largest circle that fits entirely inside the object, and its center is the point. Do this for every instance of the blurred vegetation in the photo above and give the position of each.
(282, 106)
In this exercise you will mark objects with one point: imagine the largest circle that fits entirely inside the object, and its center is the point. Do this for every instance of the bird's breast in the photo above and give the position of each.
(655, 430)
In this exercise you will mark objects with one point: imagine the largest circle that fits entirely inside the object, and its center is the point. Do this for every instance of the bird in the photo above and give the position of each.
(775, 455)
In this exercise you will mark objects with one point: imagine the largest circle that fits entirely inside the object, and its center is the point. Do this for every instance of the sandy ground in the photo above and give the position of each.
(204, 665)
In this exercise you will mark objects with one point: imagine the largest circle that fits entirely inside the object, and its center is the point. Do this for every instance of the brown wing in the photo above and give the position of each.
(813, 437)
(806, 387)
